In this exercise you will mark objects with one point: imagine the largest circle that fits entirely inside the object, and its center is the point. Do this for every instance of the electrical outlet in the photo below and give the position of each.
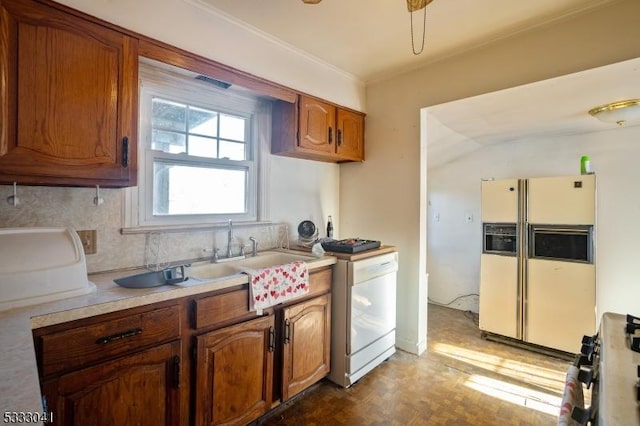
(89, 241)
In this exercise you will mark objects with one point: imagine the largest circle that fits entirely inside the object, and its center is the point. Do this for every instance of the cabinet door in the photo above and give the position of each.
(500, 295)
(317, 125)
(562, 200)
(140, 389)
(350, 135)
(560, 303)
(307, 344)
(500, 201)
(234, 373)
(71, 99)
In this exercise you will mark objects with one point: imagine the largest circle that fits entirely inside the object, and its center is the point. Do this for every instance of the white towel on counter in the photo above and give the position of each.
(572, 397)
(272, 285)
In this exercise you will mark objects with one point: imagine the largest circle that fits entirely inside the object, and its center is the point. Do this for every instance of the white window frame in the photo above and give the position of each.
(157, 80)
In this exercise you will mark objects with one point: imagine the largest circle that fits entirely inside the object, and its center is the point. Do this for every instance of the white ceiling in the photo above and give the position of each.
(548, 108)
(371, 39)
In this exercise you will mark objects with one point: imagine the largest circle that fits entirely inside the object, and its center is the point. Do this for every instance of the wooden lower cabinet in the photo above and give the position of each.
(243, 370)
(200, 360)
(234, 373)
(140, 389)
(307, 339)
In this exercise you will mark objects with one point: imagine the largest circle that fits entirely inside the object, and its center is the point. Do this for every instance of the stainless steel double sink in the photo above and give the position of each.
(207, 271)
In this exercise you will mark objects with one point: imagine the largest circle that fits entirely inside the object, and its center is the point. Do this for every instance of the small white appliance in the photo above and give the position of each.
(39, 265)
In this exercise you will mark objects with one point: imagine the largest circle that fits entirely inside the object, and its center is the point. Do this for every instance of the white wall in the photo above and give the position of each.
(381, 198)
(454, 246)
(304, 190)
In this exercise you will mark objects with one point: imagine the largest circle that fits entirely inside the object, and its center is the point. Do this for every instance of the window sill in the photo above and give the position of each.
(188, 227)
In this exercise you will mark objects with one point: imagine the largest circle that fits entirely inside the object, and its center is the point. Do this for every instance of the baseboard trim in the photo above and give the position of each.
(411, 346)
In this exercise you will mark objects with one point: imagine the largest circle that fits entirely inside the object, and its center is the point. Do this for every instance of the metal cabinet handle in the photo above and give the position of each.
(272, 339)
(125, 152)
(330, 135)
(287, 331)
(176, 372)
(119, 336)
(339, 135)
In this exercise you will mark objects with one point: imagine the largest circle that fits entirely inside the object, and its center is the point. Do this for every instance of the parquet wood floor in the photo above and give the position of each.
(461, 379)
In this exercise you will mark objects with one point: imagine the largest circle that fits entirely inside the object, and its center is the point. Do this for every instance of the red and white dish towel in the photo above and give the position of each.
(572, 397)
(276, 284)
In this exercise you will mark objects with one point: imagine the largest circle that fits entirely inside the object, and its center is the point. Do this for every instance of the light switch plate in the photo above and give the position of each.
(89, 241)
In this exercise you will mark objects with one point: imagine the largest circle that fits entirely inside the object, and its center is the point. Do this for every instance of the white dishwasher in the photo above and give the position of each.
(363, 316)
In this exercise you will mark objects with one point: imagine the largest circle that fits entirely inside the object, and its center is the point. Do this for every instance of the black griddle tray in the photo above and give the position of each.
(350, 245)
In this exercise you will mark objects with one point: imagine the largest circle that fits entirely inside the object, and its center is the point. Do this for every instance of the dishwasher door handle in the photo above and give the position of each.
(371, 277)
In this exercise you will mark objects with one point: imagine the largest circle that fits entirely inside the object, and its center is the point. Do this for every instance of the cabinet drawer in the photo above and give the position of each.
(320, 281)
(220, 308)
(234, 305)
(79, 346)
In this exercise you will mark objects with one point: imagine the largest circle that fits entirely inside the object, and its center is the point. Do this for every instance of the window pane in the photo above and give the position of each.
(203, 147)
(232, 127)
(174, 143)
(203, 122)
(168, 115)
(182, 189)
(232, 150)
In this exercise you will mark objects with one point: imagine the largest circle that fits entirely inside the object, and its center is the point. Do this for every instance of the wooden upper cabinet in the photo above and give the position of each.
(69, 114)
(317, 125)
(350, 137)
(317, 130)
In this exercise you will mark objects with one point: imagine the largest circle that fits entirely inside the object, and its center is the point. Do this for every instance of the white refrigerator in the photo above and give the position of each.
(537, 267)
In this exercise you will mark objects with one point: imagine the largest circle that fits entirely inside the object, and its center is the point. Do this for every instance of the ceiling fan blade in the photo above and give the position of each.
(413, 5)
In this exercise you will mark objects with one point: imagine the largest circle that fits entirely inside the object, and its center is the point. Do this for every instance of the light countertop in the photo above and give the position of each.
(617, 375)
(352, 257)
(19, 384)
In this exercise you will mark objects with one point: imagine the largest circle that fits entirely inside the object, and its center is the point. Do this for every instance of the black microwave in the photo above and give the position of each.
(570, 243)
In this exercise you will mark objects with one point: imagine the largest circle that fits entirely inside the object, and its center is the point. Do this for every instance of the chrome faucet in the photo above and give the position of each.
(254, 246)
(229, 238)
(229, 257)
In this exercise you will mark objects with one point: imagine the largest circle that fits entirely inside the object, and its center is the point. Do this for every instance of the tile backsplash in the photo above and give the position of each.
(74, 207)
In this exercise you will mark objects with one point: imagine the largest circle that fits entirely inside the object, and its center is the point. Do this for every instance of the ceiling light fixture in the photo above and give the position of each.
(413, 6)
(618, 112)
(311, 1)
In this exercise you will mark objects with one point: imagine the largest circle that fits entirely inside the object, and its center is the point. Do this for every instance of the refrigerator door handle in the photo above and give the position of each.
(522, 258)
